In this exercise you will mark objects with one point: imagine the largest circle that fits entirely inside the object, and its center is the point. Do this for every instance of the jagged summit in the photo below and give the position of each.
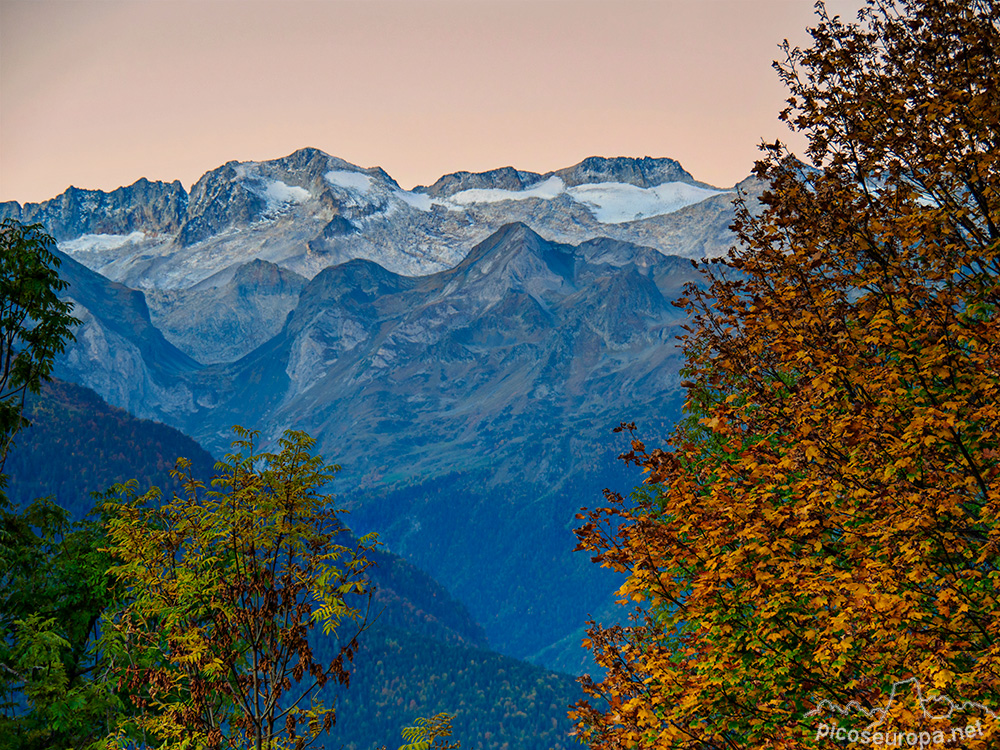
(149, 206)
(646, 172)
(504, 178)
(520, 250)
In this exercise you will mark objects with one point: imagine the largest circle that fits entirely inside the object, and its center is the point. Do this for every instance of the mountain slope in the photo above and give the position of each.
(77, 444)
(497, 702)
(117, 351)
(220, 321)
(472, 409)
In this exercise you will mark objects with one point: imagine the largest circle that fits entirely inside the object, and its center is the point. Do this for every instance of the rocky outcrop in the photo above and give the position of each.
(222, 323)
(148, 207)
(505, 178)
(644, 173)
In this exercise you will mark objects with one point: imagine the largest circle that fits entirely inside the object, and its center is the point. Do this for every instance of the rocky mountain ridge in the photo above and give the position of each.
(310, 210)
(142, 207)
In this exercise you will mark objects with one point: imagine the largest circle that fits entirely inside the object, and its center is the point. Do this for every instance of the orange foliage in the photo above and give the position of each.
(824, 525)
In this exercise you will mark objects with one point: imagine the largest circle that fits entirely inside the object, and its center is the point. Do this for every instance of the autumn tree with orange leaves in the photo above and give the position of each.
(824, 525)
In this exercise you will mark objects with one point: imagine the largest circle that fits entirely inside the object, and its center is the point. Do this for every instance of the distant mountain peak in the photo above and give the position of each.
(509, 239)
(504, 178)
(645, 172)
(262, 276)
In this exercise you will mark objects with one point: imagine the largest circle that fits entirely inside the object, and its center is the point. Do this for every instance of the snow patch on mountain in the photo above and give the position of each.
(608, 202)
(617, 202)
(550, 188)
(355, 181)
(90, 243)
(419, 201)
(279, 194)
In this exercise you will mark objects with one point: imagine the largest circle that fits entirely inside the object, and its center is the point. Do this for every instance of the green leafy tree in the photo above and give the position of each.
(828, 528)
(35, 325)
(53, 590)
(225, 592)
(52, 587)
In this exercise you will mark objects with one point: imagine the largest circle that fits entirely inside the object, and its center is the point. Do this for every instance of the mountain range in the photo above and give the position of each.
(310, 210)
(463, 350)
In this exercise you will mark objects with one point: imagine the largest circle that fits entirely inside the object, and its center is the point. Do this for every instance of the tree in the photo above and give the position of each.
(824, 526)
(51, 573)
(222, 592)
(34, 324)
(53, 591)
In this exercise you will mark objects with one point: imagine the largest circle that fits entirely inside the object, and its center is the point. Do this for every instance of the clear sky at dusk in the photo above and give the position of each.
(98, 93)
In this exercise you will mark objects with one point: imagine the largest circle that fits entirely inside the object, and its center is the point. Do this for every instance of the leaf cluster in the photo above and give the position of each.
(430, 734)
(52, 593)
(35, 324)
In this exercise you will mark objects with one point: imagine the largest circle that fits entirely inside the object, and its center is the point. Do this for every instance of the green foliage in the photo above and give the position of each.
(223, 589)
(430, 733)
(52, 588)
(34, 323)
(52, 593)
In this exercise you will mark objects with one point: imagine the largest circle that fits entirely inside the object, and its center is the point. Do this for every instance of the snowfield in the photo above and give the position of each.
(608, 202)
(96, 243)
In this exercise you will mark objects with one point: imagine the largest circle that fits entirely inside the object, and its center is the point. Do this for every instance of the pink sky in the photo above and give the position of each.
(98, 93)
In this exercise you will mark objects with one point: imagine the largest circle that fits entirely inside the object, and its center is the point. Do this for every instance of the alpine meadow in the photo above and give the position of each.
(778, 403)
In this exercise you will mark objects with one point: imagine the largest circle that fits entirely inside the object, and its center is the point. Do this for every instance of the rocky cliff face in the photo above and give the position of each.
(222, 323)
(118, 352)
